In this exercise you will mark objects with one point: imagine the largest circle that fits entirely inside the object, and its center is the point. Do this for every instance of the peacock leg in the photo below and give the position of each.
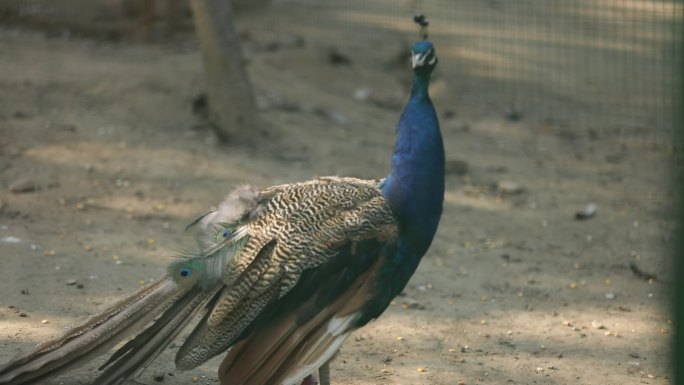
(324, 374)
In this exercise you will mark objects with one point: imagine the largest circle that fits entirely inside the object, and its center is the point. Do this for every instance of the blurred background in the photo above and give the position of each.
(525, 55)
(552, 264)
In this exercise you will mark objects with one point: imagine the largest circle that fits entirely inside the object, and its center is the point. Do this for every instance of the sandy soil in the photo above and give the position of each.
(112, 163)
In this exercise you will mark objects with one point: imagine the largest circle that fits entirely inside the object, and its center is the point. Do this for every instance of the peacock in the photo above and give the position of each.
(278, 277)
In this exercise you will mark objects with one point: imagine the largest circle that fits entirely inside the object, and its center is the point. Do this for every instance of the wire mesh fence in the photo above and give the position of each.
(603, 58)
(615, 58)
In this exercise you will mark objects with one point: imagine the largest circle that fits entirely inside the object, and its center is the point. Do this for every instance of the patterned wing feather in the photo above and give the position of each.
(293, 229)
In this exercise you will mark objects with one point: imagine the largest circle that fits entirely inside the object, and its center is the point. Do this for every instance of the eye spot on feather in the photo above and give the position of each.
(226, 233)
(185, 272)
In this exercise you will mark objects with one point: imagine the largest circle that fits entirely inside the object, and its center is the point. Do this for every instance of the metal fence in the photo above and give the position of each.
(587, 66)
(561, 62)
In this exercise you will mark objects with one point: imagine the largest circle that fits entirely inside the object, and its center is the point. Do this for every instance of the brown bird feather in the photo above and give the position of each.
(270, 356)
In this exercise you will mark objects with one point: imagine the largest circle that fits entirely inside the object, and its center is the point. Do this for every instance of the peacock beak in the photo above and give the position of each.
(417, 60)
(420, 59)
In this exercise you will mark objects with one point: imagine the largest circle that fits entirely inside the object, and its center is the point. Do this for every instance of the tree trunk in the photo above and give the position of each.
(231, 99)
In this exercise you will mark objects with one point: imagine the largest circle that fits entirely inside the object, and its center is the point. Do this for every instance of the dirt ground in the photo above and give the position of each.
(103, 163)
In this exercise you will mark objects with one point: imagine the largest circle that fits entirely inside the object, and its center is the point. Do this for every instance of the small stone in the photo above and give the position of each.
(597, 325)
(410, 303)
(586, 213)
(456, 167)
(336, 117)
(80, 286)
(25, 291)
(337, 58)
(70, 282)
(513, 115)
(10, 239)
(159, 375)
(635, 355)
(45, 322)
(422, 370)
(362, 94)
(509, 187)
(23, 314)
(20, 186)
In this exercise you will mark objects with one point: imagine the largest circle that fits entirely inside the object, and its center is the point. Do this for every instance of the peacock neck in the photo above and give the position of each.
(415, 185)
(419, 89)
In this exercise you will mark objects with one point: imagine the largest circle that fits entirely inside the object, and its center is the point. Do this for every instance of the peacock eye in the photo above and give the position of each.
(185, 272)
(226, 233)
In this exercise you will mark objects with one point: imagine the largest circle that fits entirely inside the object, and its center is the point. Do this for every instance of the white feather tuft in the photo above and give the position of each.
(305, 370)
(238, 203)
(340, 325)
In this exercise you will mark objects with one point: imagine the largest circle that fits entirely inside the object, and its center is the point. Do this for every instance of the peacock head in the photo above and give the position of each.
(423, 57)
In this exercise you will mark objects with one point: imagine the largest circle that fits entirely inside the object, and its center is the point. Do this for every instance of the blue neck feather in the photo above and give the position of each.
(415, 185)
